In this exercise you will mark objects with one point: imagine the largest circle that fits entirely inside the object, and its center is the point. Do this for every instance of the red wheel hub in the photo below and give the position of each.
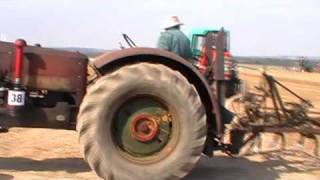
(144, 128)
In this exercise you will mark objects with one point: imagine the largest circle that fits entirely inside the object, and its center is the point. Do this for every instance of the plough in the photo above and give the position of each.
(264, 111)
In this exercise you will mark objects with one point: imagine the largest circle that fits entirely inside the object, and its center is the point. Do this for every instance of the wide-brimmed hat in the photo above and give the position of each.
(171, 21)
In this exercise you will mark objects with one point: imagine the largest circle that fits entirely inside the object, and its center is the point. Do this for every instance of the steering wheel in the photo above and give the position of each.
(129, 41)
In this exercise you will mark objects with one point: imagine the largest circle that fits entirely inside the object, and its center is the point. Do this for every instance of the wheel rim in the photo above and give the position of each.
(142, 127)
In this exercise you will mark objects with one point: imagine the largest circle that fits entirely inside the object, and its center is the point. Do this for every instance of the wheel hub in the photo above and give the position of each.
(144, 128)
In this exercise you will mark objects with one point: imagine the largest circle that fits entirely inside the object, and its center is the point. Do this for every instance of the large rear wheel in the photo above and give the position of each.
(142, 122)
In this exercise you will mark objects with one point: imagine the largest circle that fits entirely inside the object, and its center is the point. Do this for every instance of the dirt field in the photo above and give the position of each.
(307, 85)
(40, 154)
(54, 154)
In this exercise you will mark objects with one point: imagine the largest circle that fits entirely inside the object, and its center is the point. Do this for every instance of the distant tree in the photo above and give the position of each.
(305, 65)
(317, 68)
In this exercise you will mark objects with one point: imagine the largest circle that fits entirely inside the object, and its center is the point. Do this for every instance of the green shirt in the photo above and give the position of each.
(175, 41)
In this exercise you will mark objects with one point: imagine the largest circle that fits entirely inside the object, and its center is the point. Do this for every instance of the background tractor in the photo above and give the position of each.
(140, 113)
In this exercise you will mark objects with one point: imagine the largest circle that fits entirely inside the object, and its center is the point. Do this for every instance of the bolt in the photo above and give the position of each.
(60, 117)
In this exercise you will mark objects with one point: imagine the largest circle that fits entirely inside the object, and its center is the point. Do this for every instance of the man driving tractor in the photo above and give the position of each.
(173, 39)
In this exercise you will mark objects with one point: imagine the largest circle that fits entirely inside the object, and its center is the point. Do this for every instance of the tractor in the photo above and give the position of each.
(198, 37)
(140, 113)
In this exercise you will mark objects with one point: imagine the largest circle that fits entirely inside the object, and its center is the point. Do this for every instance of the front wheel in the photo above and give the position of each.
(142, 122)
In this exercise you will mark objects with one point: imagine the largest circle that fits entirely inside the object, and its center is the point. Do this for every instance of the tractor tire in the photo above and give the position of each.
(142, 122)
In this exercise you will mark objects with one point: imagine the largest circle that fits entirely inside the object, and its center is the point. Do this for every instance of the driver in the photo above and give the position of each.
(173, 39)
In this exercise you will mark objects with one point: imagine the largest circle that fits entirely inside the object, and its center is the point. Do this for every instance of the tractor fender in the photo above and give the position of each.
(113, 60)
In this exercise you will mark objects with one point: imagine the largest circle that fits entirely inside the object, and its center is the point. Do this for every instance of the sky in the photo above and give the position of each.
(257, 27)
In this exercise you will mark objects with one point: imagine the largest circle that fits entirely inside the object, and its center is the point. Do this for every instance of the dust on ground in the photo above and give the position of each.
(40, 154)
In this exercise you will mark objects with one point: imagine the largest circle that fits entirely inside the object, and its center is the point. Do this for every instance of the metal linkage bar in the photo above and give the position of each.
(290, 91)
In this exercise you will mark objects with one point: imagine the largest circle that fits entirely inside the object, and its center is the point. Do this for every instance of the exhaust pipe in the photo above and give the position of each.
(20, 44)
(16, 95)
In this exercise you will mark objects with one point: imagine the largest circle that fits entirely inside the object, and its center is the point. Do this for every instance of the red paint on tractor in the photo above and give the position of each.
(204, 62)
(20, 44)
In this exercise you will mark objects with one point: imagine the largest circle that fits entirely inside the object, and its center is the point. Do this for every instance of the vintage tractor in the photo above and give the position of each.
(200, 49)
(140, 113)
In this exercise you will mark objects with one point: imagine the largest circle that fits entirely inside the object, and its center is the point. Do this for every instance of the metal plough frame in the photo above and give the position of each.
(282, 117)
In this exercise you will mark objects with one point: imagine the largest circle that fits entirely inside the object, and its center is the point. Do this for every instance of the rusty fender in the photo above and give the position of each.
(113, 60)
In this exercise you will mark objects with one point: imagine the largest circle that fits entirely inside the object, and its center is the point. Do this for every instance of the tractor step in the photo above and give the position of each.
(3, 130)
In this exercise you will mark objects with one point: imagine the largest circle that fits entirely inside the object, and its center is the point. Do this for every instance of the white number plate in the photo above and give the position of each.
(16, 98)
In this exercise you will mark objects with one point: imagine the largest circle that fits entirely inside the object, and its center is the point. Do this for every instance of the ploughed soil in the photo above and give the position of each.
(40, 154)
